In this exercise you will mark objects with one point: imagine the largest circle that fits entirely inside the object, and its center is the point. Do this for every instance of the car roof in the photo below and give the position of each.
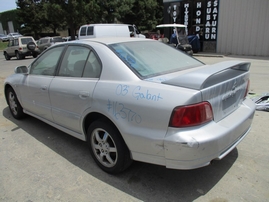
(22, 37)
(171, 25)
(25, 37)
(48, 37)
(105, 24)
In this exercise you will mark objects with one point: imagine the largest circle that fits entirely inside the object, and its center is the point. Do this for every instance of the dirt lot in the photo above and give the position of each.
(40, 163)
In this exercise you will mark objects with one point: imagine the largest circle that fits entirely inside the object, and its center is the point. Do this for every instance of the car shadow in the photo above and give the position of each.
(143, 181)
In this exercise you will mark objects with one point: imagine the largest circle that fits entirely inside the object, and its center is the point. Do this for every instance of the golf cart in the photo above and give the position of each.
(179, 38)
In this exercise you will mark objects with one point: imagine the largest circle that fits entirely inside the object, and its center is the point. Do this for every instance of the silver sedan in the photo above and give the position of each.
(136, 99)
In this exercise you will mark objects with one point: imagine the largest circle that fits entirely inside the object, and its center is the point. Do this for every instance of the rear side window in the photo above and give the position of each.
(90, 31)
(16, 42)
(79, 61)
(44, 40)
(83, 31)
(58, 39)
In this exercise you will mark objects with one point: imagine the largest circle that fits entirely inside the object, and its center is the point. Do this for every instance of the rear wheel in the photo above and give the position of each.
(18, 55)
(7, 57)
(14, 105)
(107, 147)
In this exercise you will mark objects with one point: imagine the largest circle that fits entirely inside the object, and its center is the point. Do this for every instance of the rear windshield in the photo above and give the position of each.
(152, 58)
(26, 40)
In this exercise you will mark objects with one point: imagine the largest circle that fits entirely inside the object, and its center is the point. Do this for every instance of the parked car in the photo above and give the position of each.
(14, 35)
(21, 47)
(68, 38)
(3, 38)
(45, 42)
(108, 30)
(136, 99)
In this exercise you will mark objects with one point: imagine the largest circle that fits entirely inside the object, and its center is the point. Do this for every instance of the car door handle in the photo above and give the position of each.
(44, 87)
(84, 94)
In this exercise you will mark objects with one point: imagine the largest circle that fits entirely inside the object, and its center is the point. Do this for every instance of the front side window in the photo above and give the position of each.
(46, 64)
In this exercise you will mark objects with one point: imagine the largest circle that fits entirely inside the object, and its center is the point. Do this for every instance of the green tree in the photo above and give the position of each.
(113, 11)
(75, 14)
(146, 14)
(53, 15)
(91, 12)
(38, 15)
(30, 16)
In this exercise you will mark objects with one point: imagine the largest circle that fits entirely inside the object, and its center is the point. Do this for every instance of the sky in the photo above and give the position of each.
(6, 5)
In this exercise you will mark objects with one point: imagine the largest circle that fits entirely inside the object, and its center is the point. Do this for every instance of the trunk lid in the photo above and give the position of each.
(223, 84)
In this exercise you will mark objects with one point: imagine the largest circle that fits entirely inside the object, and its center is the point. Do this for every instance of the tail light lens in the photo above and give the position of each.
(191, 115)
(247, 89)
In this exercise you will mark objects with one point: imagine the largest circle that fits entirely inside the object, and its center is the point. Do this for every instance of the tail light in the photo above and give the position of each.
(191, 115)
(247, 89)
(20, 48)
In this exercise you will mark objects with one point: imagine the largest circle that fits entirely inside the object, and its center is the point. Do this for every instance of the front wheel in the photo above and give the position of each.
(14, 105)
(108, 148)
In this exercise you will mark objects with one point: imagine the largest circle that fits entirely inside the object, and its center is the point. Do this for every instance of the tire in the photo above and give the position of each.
(190, 53)
(34, 55)
(14, 105)
(18, 55)
(107, 147)
(7, 56)
(31, 46)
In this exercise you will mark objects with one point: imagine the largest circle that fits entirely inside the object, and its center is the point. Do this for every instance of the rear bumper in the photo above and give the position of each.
(197, 147)
(29, 53)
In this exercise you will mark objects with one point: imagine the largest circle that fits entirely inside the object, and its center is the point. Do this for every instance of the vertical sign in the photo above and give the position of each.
(173, 10)
(186, 11)
(211, 19)
(200, 16)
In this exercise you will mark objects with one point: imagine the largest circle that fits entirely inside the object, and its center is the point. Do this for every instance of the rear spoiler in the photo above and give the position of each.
(209, 75)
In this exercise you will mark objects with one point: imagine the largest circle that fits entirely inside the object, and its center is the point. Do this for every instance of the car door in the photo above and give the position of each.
(11, 47)
(72, 89)
(35, 87)
(41, 44)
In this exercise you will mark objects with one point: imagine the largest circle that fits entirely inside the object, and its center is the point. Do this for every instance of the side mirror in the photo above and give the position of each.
(21, 70)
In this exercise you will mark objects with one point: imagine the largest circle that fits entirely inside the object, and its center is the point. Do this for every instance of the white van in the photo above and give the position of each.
(108, 30)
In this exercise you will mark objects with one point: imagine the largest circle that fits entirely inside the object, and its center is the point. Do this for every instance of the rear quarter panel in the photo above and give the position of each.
(140, 109)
